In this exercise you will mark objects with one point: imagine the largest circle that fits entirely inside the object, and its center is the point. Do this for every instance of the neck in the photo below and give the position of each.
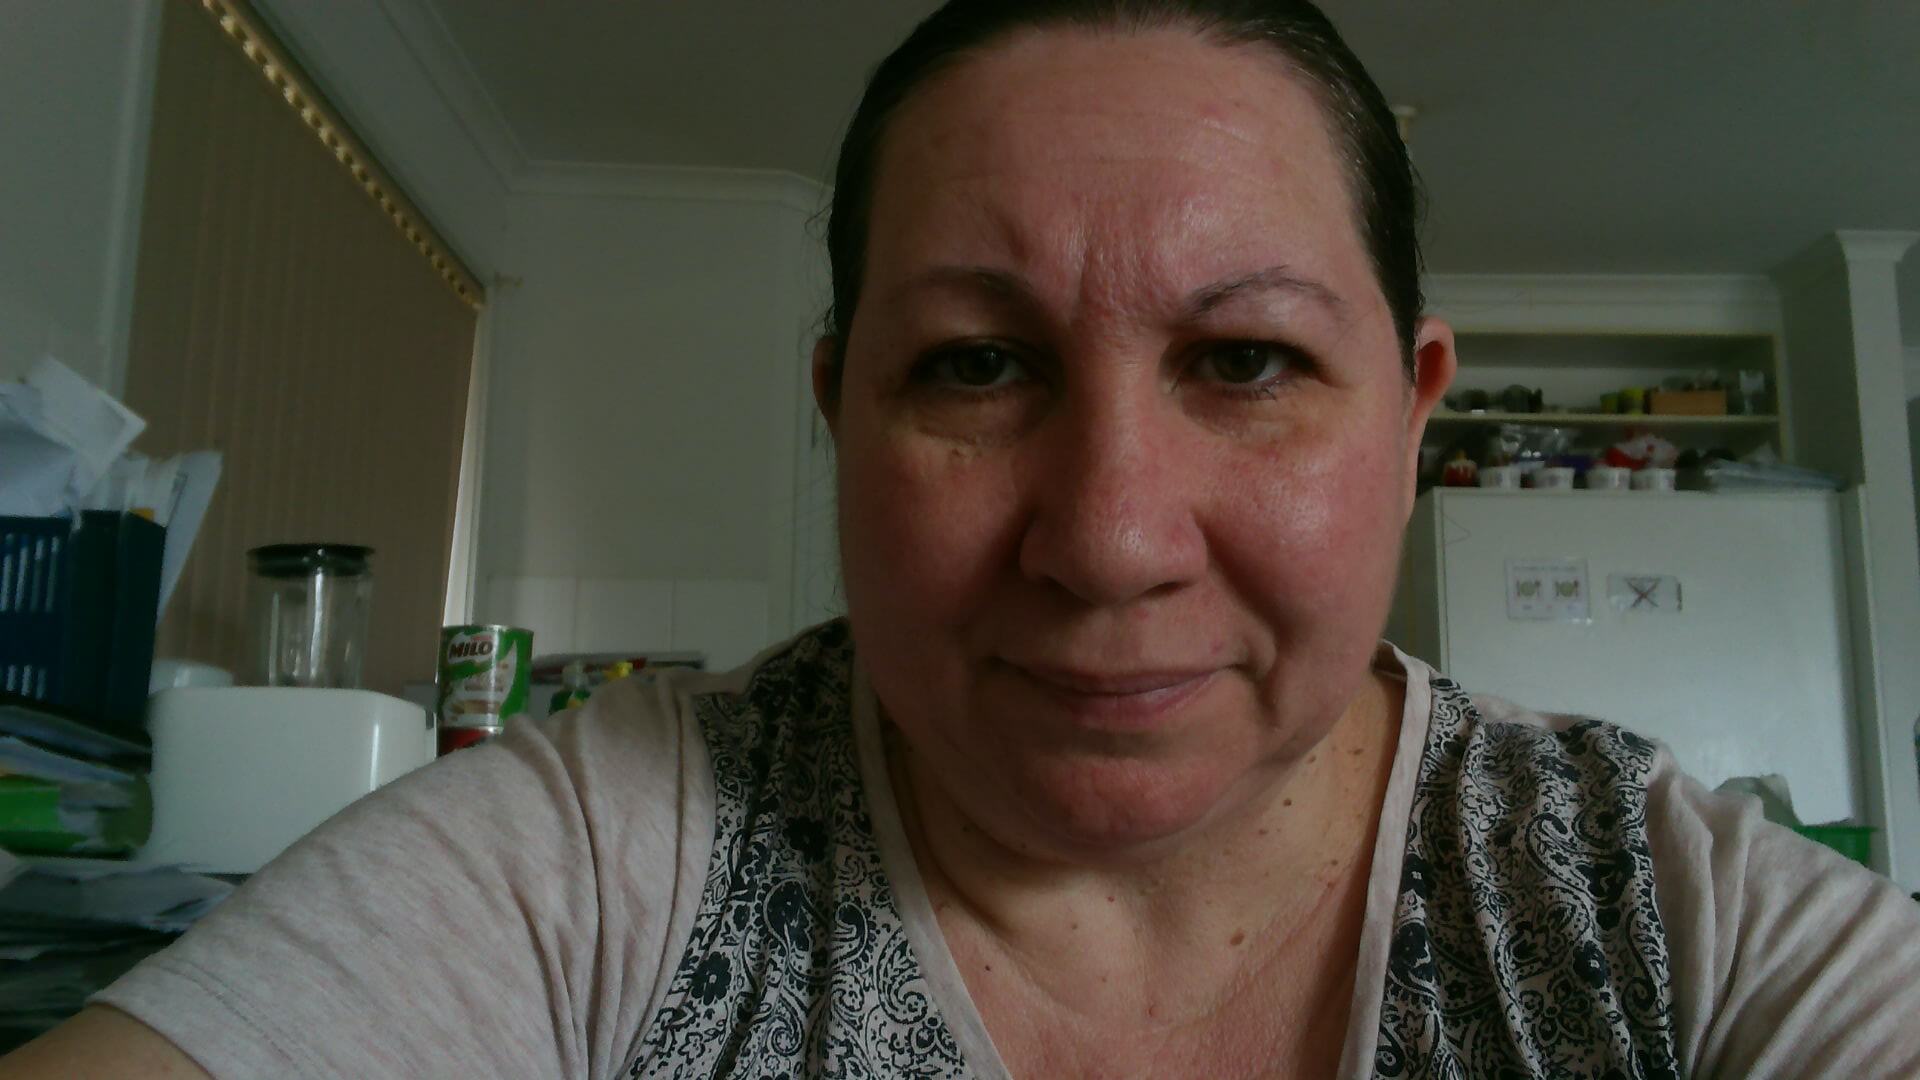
(1237, 894)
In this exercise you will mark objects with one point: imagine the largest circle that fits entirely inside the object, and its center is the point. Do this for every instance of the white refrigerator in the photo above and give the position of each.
(1716, 623)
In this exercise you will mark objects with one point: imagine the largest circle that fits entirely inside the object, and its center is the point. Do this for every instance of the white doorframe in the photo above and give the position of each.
(463, 563)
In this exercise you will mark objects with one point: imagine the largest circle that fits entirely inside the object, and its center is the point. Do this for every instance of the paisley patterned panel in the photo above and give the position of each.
(799, 963)
(1526, 942)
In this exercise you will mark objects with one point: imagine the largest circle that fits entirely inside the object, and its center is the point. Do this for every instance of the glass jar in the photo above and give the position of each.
(308, 609)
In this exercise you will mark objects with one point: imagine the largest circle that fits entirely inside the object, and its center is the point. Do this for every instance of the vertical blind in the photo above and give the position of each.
(281, 318)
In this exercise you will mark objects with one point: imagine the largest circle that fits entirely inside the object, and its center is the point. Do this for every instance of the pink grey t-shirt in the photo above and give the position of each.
(708, 876)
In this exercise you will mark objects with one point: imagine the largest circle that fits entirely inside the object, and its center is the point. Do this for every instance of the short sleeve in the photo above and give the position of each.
(1788, 960)
(506, 911)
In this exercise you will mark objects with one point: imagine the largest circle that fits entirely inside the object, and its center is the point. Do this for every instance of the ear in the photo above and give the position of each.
(825, 393)
(1434, 364)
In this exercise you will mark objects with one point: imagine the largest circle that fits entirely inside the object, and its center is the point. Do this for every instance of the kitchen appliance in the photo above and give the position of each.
(241, 772)
(1716, 623)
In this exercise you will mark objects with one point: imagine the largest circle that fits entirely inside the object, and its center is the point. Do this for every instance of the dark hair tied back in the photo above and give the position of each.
(1385, 191)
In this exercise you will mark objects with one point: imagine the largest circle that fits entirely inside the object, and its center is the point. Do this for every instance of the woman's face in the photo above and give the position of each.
(1125, 443)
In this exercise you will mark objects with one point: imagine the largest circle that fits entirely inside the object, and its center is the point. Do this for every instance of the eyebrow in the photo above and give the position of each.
(1201, 301)
(1272, 279)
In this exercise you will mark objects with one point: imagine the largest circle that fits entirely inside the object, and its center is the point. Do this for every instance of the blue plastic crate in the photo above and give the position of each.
(77, 613)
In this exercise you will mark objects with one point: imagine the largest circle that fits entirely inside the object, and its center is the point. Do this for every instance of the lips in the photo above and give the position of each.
(1120, 701)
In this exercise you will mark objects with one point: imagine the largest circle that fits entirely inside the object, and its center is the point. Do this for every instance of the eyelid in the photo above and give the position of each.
(1292, 357)
(925, 370)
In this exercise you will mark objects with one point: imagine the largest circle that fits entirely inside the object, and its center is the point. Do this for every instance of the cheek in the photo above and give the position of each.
(925, 528)
(1309, 534)
(925, 534)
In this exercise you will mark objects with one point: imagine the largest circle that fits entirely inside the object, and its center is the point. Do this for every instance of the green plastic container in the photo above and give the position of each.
(1853, 841)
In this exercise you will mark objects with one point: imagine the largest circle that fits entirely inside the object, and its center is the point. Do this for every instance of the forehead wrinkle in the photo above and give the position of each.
(1135, 259)
(1090, 273)
(1119, 286)
(1110, 247)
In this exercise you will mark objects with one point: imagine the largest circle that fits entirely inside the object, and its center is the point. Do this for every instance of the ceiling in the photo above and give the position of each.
(1625, 136)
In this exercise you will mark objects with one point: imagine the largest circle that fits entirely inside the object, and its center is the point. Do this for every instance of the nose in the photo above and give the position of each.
(1114, 502)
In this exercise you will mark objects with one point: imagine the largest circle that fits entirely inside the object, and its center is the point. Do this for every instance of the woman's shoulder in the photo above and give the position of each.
(1526, 894)
(805, 682)
(674, 714)
(776, 735)
(566, 857)
(1735, 946)
(1483, 741)
(1488, 739)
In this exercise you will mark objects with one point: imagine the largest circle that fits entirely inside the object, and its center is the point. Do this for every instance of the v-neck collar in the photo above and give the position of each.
(949, 989)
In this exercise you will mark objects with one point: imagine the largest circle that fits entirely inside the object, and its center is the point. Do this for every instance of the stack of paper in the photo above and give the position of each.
(54, 803)
(67, 447)
(68, 927)
(71, 925)
(50, 730)
(86, 896)
(37, 994)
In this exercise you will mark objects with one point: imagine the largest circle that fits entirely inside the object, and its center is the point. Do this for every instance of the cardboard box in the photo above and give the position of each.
(1687, 403)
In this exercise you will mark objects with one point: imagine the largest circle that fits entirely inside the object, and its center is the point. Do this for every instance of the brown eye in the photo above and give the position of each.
(981, 367)
(975, 367)
(1243, 362)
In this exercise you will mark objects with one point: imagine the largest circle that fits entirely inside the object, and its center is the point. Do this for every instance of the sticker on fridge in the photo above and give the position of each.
(1644, 594)
(1547, 590)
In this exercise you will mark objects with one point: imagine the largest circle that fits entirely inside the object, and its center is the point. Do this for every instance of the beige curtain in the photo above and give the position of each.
(282, 318)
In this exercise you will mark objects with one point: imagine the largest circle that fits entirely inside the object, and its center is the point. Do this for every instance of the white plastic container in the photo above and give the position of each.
(239, 773)
(1609, 478)
(1500, 477)
(1654, 479)
(1553, 478)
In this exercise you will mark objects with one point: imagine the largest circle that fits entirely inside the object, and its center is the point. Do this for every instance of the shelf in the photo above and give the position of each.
(1682, 353)
(1569, 419)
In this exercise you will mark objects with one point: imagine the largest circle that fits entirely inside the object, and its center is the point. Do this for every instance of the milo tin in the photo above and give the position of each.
(484, 672)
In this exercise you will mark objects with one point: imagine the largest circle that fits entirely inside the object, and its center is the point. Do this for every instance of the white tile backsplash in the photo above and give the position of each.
(615, 615)
(727, 620)
(543, 605)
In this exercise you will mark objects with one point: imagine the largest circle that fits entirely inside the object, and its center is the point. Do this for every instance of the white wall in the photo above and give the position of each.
(645, 362)
(76, 82)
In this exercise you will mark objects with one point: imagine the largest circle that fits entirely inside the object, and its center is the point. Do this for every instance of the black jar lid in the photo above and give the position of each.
(302, 560)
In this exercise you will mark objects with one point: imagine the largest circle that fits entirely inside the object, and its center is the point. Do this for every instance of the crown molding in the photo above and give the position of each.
(1833, 253)
(424, 33)
(1875, 245)
(1606, 303)
(673, 183)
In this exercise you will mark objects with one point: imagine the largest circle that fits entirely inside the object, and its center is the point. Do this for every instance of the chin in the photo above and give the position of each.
(1118, 808)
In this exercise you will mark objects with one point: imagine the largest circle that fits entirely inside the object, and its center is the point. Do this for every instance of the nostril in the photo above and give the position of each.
(1164, 589)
